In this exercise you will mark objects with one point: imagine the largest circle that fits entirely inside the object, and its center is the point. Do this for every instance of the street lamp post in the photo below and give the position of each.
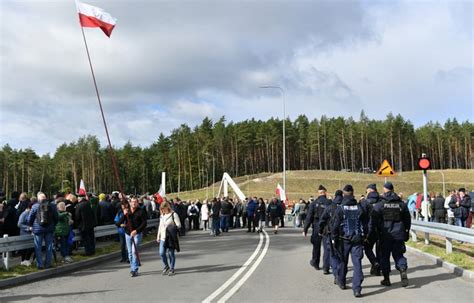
(282, 91)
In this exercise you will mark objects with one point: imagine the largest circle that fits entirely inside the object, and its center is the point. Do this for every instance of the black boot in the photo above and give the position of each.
(404, 277)
(375, 269)
(386, 280)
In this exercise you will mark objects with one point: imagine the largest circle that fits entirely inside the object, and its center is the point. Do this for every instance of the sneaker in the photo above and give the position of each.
(23, 263)
(171, 272)
(357, 294)
(326, 271)
(165, 270)
(133, 274)
(27, 263)
(68, 259)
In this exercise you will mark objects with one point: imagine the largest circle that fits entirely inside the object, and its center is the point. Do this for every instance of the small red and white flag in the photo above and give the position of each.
(82, 189)
(281, 192)
(91, 16)
(160, 194)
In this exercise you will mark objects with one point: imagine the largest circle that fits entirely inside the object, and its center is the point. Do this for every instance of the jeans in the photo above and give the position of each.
(460, 222)
(164, 255)
(48, 241)
(132, 250)
(215, 225)
(123, 247)
(225, 223)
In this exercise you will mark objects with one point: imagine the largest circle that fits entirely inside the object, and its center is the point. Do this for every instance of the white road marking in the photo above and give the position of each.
(241, 282)
(237, 274)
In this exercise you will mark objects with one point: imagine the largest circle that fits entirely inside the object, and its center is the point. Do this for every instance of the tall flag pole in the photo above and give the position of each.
(91, 16)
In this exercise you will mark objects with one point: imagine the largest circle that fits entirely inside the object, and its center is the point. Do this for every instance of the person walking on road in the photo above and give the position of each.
(205, 216)
(274, 209)
(134, 221)
(251, 214)
(167, 237)
(348, 232)
(261, 213)
(372, 238)
(315, 212)
(392, 221)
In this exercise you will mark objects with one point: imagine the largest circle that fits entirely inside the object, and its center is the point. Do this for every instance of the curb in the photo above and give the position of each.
(454, 269)
(67, 268)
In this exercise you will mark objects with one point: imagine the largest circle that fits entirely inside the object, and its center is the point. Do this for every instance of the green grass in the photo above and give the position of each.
(20, 270)
(302, 184)
(462, 255)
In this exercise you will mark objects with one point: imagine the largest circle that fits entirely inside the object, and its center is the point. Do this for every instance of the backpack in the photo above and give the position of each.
(44, 215)
(351, 223)
(302, 208)
(193, 210)
(273, 208)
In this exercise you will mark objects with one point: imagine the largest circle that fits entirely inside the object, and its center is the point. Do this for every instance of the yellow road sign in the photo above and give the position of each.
(385, 170)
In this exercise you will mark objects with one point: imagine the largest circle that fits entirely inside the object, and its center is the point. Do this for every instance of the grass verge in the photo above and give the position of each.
(20, 270)
(462, 255)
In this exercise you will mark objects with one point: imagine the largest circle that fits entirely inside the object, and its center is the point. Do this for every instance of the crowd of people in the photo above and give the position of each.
(341, 224)
(454, 209)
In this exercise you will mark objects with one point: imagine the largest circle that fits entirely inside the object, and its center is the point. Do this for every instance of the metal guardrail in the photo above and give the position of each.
(450, 232)
(15, 243)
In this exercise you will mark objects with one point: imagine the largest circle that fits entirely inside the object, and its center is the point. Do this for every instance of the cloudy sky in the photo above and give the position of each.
(174, 62)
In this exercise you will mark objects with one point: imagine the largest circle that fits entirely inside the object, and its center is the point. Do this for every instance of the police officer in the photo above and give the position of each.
(372, 239)
(392, 221)
(325, 224)
(315, 212)
(348, 232)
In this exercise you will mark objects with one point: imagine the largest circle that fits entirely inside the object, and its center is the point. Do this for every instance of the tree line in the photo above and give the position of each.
(188, 155)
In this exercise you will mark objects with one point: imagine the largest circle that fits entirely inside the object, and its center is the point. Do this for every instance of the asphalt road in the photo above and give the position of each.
(239, 267)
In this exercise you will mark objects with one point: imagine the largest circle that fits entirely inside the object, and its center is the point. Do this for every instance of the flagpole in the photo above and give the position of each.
(111, 150)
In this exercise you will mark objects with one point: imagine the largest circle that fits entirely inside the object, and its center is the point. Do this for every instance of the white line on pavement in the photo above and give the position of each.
(241, 282)
(236, 275)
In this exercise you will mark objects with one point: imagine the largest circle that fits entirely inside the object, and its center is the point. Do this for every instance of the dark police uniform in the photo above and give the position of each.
(392, 221)
(315, 212)
(372, 237)
(348, 231)
(325, 224)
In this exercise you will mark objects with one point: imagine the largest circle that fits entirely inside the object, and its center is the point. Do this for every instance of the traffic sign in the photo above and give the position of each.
(424, 163)
(385, 170)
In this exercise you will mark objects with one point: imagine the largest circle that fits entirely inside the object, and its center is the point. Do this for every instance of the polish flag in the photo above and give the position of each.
(160, 194)
(281, 192)
(82, 189)
(91, 16)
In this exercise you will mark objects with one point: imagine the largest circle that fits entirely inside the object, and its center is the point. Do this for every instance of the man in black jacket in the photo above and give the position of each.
(461, 208)
(372, 239)
(392, 221)
(134, 223)
(85, 222)
(439, 212)
(315, 212)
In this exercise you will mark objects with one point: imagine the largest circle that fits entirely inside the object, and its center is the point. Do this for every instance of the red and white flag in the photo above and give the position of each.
(82, 189)
(281, 192)
(91, 16)
(160, 194)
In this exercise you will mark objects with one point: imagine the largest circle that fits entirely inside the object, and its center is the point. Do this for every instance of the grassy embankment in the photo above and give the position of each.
(302, 184)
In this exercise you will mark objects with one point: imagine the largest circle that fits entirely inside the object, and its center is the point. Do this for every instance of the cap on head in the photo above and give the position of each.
(338, 193)
(388, 185)
(321, 187)
(372, 186)
(348, 188)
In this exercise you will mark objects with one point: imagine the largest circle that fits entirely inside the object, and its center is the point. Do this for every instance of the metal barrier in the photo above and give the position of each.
(450, 232)
(9, 244)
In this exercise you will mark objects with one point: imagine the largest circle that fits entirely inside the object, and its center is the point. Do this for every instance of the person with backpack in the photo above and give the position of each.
(167, 238)
(348, 233)
(42, 219)
(392, 221)
(315, 212)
